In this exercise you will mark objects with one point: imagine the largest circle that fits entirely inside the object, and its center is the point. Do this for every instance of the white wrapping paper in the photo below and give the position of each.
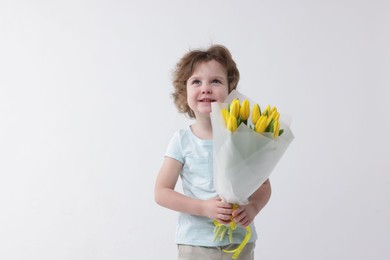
(244, 159)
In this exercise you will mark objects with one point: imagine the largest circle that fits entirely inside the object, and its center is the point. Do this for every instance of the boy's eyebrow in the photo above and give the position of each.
(221, 77)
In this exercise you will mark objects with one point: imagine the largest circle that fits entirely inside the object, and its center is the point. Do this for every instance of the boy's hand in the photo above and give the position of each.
(216, 209)
(244, 214)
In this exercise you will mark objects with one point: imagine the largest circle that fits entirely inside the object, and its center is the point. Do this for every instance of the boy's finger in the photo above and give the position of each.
(224, 217)
(225, 205)
(225, 211)
(237, 212)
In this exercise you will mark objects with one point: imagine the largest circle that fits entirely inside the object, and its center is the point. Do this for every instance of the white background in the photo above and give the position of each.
(86, 115)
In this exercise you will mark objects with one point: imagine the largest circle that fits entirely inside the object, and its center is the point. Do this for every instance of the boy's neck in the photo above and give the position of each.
(203, 129)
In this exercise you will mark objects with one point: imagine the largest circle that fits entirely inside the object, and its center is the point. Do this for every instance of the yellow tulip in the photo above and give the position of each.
(225, 115)
(244, 110)
(273, 114)
(277, 116)
(261, 124)
(267, 110)
(273, 109)
(255, 114)
(232, 123)
(276, 129)
(235, 108)
(269, 119)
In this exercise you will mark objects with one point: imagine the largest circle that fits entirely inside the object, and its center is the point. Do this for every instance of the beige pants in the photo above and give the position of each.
(187, 252)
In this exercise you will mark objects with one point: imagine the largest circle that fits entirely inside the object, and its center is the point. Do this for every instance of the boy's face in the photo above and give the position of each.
(207, 84)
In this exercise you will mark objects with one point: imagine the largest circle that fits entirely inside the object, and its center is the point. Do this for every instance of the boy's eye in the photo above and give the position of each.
(216, 81)
(195, 82)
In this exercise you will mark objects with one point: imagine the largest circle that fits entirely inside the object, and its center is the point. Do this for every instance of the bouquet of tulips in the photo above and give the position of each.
(247, 146)
(238, 113)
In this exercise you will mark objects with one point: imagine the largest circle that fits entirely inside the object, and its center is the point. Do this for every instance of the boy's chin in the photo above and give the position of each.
(203, 114)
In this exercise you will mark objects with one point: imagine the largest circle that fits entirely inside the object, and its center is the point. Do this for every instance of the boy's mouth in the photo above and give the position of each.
(207, 100)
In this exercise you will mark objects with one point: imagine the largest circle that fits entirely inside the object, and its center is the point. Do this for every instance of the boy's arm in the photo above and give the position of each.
(245, 214)
(166, 196)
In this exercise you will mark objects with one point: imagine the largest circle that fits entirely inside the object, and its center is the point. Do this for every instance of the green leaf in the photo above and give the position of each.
(270, 127)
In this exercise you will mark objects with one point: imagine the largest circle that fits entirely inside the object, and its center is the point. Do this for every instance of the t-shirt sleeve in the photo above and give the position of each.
(174, 148)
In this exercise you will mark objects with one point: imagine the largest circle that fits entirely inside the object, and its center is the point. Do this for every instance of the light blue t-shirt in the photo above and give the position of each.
(196, 155)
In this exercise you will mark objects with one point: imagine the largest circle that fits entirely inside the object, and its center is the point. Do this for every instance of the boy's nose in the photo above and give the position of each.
(206, 88)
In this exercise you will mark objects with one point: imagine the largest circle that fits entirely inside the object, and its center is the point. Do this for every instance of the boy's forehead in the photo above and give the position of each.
(210, 65)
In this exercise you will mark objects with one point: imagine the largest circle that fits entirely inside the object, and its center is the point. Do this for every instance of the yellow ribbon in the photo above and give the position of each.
(238, 250)
(220, 231)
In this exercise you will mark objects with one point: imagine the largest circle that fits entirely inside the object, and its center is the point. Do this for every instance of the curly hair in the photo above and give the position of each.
(187, 65)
